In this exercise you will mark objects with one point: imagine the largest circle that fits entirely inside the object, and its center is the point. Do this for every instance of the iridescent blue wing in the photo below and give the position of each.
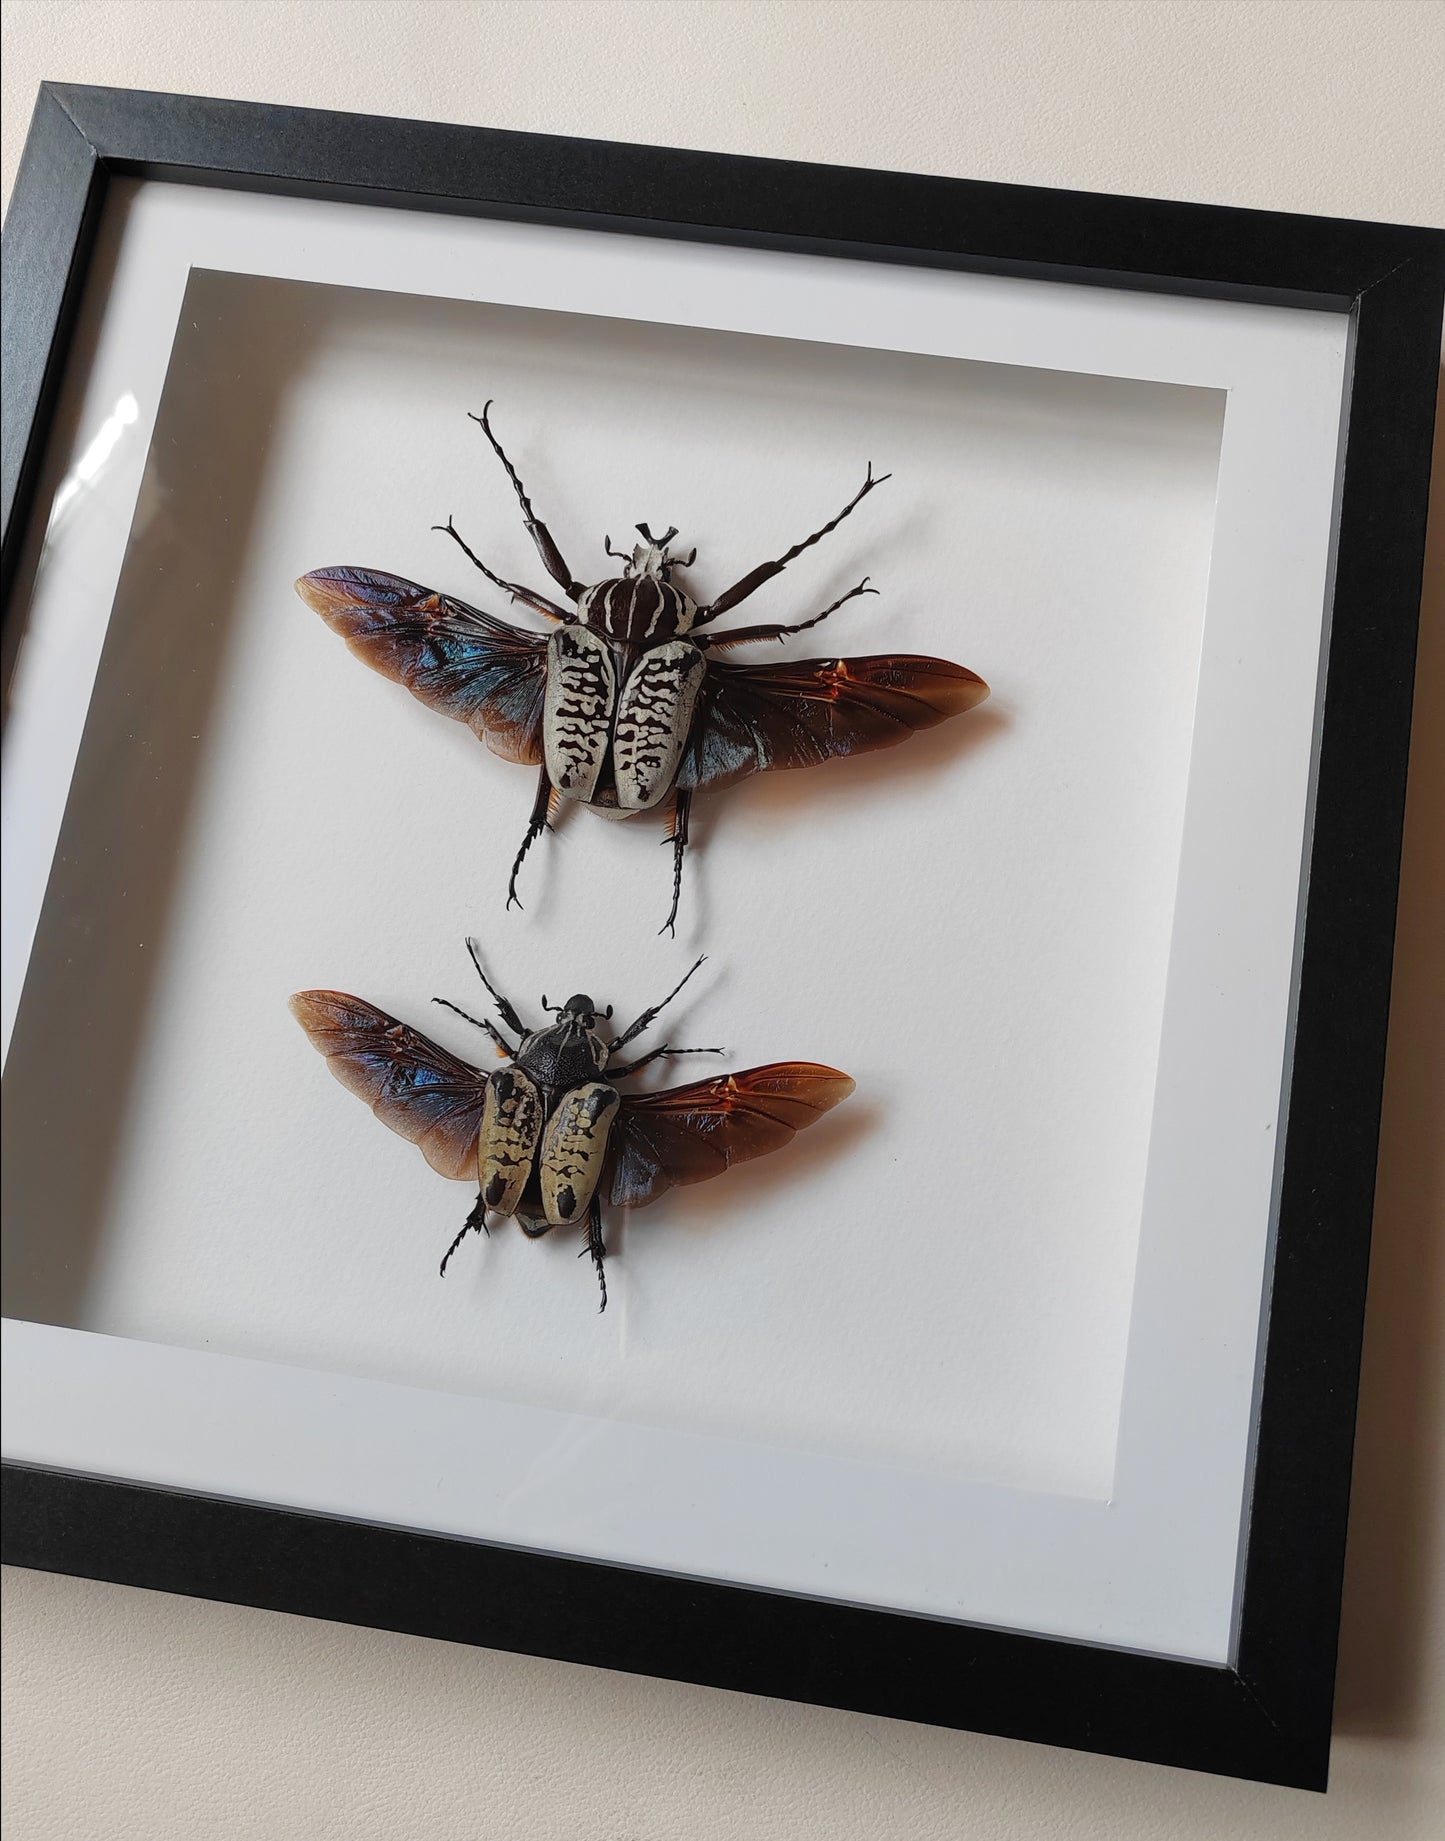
(456, 659)
(418, 1089)
(754, 717)
(688, 1134)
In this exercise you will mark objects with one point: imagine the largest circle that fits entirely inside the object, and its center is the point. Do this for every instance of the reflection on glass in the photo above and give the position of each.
(89, 466)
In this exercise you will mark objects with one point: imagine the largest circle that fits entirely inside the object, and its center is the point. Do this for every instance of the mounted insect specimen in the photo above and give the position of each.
(626, 706)
(548, 1138)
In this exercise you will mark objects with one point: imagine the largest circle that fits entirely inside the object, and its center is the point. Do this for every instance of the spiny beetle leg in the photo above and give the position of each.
(595, 1247)
(552, 560)
(754, 579)
(475, 1221)
(657, 1054)
(747, 635)
(527, 596)
(480, 1022)
(678, 840)
(536, 825)
(648, 1017)
(506, 1009)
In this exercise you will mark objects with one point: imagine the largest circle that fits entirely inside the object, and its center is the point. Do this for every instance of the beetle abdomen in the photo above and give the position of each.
(507, 1143)
(604, 804)
(654, 714)
(577, 710)
(574, 1147)
(637, 608)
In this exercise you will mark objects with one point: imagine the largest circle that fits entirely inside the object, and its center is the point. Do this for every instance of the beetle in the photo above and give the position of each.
(625, 706)
(548, 1139)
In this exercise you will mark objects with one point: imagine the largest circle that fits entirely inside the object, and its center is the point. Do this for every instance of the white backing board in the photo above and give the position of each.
(940, 1279)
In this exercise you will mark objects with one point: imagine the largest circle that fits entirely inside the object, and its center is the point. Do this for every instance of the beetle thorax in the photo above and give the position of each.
(563, 1055)
(638, 608)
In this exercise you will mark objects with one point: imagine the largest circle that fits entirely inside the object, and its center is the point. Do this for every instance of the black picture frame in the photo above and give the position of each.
(1268, 1715)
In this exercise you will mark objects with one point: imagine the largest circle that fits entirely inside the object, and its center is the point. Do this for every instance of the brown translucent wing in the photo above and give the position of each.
(456, 659)
(416, 1088)
(685, 1135)
(754, 717)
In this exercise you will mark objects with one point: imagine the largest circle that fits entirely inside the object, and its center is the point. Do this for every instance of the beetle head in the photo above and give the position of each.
(651, 557)
(580, 1008)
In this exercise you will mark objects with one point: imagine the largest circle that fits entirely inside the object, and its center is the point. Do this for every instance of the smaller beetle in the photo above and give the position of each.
(548, 1138)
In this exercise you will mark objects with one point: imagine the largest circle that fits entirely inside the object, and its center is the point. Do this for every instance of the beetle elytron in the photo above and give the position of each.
(625, 706)
(548, 1138)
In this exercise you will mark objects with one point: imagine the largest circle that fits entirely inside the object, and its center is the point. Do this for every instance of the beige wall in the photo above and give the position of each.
(133, 1715)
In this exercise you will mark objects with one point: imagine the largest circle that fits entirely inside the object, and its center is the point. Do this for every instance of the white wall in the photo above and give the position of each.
(130, 1714)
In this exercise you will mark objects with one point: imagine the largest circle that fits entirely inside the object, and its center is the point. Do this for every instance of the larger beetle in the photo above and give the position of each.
(627, 705)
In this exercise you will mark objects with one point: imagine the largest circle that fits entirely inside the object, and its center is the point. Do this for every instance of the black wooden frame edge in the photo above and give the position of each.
(1289, 1623)
(82, 135)
(657, 1624)
(1268, 1717)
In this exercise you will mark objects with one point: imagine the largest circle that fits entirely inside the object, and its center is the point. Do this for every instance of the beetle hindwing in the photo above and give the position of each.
(654, 716)
(577, 714)
(574, 1148)
(507, 1143)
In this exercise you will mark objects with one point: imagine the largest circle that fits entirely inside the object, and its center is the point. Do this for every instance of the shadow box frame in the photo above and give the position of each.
(1266, 1714)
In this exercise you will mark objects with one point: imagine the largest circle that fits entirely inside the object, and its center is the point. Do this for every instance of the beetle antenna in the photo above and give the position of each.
(621, 555)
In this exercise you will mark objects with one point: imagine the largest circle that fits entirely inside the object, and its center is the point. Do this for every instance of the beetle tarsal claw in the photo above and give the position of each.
(477, 1220)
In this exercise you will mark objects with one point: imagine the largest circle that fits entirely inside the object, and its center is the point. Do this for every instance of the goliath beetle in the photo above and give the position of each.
(548, 1139)
(626, 705)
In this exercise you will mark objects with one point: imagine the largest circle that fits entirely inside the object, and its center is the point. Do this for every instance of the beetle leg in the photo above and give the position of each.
(648, 1017)
(678, 840)
(754, 579)
(746, 635)
(505, 1009)
(527, 596)
(666, 1049)
(481, 1023)
(477, 1220)
(552, 560)
(595, 1247)
(536, 825)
